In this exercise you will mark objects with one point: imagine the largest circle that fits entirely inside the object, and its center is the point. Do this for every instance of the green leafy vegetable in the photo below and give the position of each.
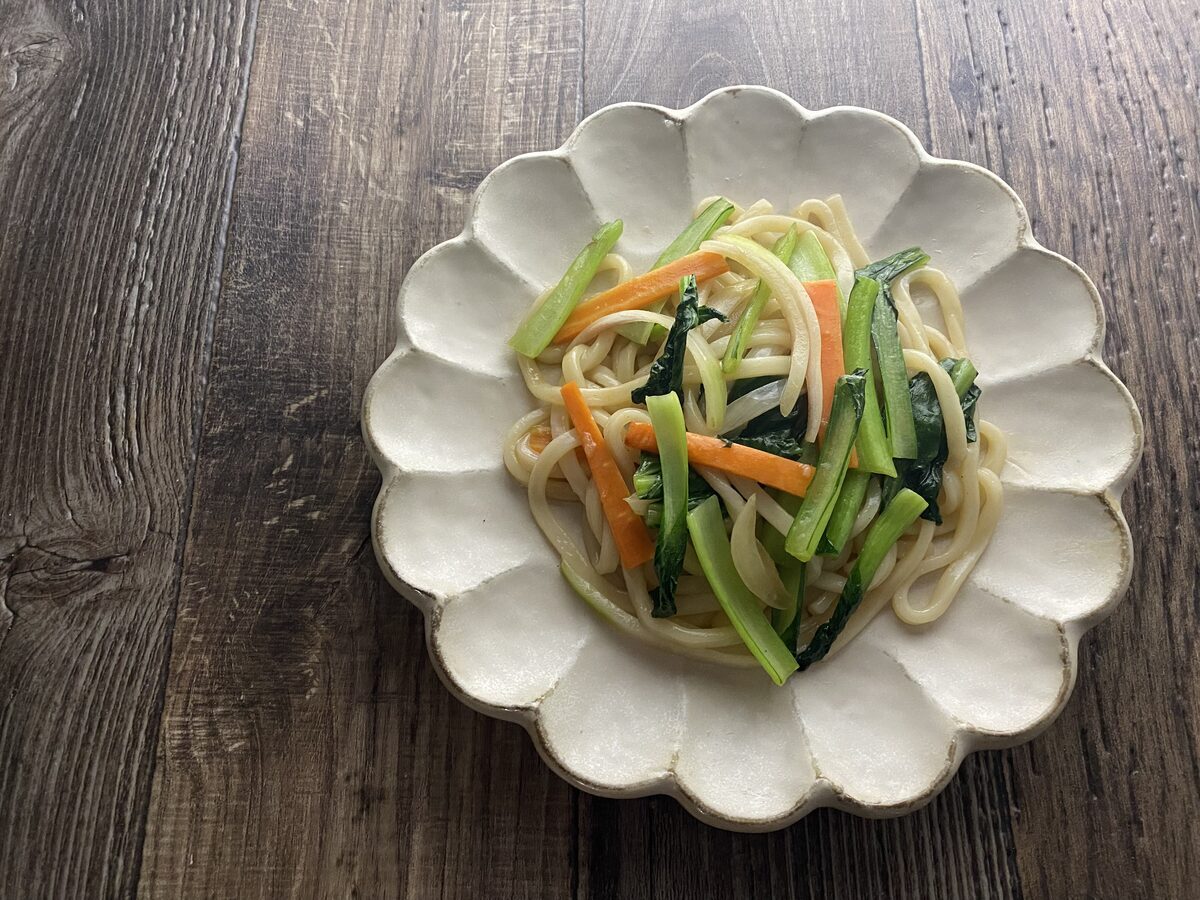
(772, 431)
(775, 422)
(809, 524)
(689, 240)
(707, 528)
(874, 453)
(891, 267)
(901, 430)
(780, 443)
(962, 372)
(697, 232)
(786, 622)
(666, 374)
(893, 375)
(544, 320)
(736, 348)
(923, 475)
(884, 532)
(667, 417)
(845, 511)
(772, 420)
(810, 262)
(647, 482)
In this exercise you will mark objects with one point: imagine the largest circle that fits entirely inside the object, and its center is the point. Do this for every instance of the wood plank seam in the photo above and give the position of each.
(199, 406)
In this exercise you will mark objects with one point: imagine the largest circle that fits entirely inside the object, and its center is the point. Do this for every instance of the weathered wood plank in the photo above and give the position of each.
(114, 168)
(1090, 111)
(308, 749)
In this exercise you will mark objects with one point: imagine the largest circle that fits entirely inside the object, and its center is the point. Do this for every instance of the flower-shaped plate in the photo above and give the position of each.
(879, 729)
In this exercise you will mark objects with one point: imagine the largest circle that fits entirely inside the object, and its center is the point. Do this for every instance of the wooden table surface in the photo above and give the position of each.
(206, 687)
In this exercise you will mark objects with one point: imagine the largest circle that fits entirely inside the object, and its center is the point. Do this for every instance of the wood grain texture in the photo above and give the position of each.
(1089, 110)
(114, 172)
(306, 747)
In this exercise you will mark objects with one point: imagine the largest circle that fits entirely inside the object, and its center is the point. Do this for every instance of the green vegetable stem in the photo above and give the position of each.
(689, 240)
(667, 417)
(736, 349)
(874, 454)
(885, 531)
(544, 320)
(901, 430)
(707, 528)
(815, 511)
(810, 262)
(845, 511)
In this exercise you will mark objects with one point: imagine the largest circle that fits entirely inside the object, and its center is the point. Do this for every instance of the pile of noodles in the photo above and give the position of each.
(608, 366)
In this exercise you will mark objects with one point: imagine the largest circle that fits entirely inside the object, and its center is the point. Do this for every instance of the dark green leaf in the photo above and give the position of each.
(962, 373)
(891, 267)
(923, 475)
(781, 443)
(647, 482)
(809, 524)
(900, 513)
(772, 420)
(666, 374)
(969, 401)
(828, 631)
(886, 270)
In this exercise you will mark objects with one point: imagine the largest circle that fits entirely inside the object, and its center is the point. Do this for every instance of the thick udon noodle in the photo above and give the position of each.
(608, 366)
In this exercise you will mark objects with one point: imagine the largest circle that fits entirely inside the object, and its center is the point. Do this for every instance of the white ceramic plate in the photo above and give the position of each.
(882, 727)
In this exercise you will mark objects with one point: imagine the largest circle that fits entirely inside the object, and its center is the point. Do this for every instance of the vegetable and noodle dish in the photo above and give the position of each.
(745, 453)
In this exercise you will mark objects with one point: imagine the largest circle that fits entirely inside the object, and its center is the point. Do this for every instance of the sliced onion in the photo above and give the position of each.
(751, 405)
(752, 562)
(801, 318)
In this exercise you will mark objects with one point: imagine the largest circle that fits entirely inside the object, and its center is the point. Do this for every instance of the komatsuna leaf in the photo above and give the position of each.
(891, 267)
(666, 373)
(781, 443)
(923, 475)
(647, 482)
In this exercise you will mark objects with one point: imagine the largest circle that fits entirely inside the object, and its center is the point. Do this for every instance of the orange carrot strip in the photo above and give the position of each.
(538, 438)
(641, 291)
(634, 543)
(824, 297)
(758, 465)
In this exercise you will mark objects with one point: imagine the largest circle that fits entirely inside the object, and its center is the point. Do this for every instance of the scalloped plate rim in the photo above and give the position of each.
(964, 739)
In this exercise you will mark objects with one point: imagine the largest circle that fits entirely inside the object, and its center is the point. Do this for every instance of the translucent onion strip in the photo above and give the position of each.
(751, 561)
(751, 405)
(801, 318)
(843, 266)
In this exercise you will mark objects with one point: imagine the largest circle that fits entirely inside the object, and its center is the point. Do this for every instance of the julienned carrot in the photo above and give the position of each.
(539, 437)
(641, 291)
(758, 465)
(824, 297)
(634, 543)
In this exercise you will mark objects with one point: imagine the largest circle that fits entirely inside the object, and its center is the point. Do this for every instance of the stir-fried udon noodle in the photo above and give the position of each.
(747, 468)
